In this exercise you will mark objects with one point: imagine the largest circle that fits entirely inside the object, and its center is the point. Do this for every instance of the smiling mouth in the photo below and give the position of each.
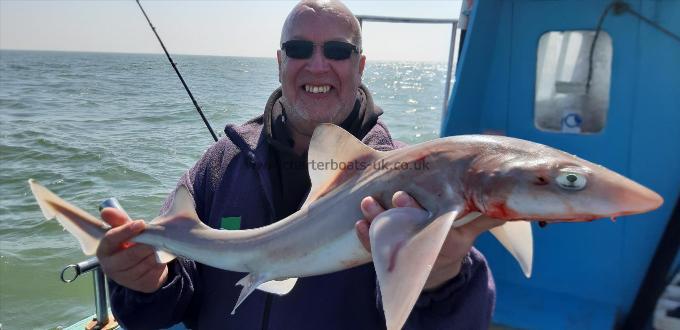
(317, 89)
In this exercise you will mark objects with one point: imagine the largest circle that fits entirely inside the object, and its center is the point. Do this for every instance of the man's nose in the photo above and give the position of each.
(318, 63)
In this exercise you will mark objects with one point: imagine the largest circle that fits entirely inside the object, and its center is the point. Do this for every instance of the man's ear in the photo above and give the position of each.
(278, 59)
(362, 63)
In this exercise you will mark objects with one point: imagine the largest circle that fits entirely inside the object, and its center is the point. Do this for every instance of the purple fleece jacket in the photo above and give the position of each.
(232, 180)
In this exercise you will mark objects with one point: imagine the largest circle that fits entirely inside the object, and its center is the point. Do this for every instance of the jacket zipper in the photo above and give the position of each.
(267, 308)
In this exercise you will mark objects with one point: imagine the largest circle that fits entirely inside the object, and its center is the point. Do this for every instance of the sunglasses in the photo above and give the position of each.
(332, 50)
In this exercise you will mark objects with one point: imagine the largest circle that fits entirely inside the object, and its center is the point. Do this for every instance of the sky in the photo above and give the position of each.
(224, 28)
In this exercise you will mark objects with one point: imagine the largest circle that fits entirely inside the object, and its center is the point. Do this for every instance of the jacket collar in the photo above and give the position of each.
(361, 119)
(252, 137)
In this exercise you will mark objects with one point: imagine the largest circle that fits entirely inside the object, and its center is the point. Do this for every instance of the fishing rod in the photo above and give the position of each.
(174, 66)
(92, 264)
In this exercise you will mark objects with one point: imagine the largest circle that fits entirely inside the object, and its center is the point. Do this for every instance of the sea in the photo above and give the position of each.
(90, 126)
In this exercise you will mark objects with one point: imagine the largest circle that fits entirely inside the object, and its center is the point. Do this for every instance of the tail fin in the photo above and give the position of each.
(85, 227)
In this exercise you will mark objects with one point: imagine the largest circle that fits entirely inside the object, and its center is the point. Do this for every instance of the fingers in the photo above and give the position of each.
(114, 217)
(370, 207)
(152, 279)
(115, 237)
(361, 227)
(129, 258)
(130, 265)
(146, 276)
(402, 199)
(138, 270)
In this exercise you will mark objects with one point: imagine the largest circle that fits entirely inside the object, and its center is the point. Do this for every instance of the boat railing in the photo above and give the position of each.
(71, 272)
(102, 318)
(452, 44)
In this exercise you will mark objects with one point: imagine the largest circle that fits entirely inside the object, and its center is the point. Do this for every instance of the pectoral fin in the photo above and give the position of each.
(404, 247)
(517, 238)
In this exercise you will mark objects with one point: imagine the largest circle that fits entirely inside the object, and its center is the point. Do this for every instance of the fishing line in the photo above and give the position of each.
(174, 66)
(93, 262)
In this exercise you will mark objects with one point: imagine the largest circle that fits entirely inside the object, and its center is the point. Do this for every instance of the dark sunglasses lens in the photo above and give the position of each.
(298, 49)
(337, 50)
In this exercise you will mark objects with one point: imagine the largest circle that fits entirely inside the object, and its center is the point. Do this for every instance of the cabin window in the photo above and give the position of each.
(572, 83)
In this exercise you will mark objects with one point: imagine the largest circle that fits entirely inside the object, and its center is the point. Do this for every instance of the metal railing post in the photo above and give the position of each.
(101, 300)
(449, 69)
(454, 27)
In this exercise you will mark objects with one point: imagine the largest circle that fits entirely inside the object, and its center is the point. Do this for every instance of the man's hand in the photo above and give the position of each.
(455, 248)
(131, 265)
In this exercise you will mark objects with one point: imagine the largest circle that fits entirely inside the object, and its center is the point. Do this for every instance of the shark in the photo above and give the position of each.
(456, 179)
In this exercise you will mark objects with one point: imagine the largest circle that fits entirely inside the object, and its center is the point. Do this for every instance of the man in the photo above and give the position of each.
(257, 175)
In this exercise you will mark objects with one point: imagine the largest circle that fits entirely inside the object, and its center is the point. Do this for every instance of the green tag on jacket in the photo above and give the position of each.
(231, 223)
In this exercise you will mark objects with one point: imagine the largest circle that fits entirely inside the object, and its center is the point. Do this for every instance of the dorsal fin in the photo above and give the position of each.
(333, 152)
(182, 204)
(182, 210)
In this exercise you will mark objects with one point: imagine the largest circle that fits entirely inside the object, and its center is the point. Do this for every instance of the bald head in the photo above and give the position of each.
(317, 87)
(329, 8)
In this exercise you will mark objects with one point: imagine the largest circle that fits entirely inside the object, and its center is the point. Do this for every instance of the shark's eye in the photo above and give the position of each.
(572, 180)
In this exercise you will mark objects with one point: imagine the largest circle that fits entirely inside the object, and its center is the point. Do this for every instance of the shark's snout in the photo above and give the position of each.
(636, 199)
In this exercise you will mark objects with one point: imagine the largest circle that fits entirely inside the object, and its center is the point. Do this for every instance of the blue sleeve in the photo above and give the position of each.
(161, 309)
(464, 302)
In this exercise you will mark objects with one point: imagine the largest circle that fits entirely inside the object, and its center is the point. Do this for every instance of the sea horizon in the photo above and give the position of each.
(90, 126)
(200, 55)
